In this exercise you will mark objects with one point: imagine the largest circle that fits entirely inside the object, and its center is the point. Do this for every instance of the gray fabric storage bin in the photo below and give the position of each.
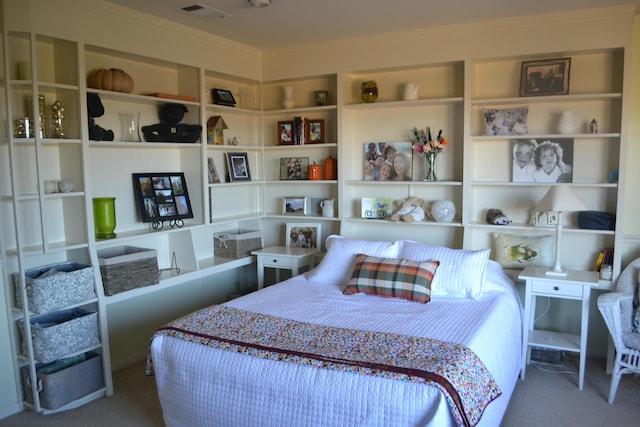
(127, 267)
(79, 376)
(61, 333)
(55, 286)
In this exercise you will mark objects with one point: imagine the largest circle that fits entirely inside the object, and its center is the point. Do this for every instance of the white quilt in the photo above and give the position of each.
(203, 386)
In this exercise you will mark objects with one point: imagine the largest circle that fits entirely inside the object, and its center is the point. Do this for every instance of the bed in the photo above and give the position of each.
(326, 348)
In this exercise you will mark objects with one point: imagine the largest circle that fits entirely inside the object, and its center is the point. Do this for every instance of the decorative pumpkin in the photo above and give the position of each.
(113, 79)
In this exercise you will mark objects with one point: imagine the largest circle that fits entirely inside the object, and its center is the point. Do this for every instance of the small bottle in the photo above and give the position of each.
(605, 272)
(593, 126)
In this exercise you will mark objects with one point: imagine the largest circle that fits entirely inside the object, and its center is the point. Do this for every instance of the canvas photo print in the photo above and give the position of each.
(388, 161)
(544, 160)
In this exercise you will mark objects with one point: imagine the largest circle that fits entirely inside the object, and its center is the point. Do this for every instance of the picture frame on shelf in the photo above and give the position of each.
(379, 158)
(294, 168)
(294, 205)
(545, 77)
(303, 235)
(312, 205)
(223, 97)
(546, 160)
(315, 131)
(238, 166)
(376, 207)
(285, 132)
(320, 98)
(162, 196)
(212, 171)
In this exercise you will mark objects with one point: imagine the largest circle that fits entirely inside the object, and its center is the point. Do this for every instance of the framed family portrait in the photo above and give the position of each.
(320, 98)
(213, 172)
(315, 131)
(545, 77)
(223, 97)
(162, 196)
(294, 168)
(388, 161)
(303, 235)
(285, 132)
(294, 205)
(238, 165)
(542, 160)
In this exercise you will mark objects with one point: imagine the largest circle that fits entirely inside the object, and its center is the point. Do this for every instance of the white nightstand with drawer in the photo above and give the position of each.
(576, 285)
(282, 257)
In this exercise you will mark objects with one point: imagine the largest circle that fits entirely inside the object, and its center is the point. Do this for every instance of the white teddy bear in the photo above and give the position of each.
(412, 209)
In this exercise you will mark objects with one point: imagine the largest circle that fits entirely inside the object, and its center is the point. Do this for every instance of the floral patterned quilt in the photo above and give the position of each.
(457, 371)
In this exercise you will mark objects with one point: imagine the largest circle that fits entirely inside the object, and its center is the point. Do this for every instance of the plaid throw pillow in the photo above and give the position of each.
(392, 277)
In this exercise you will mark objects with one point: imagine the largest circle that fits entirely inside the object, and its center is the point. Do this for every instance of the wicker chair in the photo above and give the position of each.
(617, 310)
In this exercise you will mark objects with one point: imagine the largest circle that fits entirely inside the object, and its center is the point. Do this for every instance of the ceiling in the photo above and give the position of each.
(287, 23)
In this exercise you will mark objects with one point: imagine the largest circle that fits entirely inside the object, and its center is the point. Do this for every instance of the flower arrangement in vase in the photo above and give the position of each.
(430, 148)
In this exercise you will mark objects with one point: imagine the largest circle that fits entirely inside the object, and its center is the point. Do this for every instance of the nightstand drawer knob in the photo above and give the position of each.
(555, 288)
(274, 261)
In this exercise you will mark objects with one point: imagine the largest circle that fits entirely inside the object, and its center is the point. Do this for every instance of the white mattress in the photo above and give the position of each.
(203, 386)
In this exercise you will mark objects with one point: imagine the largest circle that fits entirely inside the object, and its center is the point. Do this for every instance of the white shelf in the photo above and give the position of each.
(554, 340)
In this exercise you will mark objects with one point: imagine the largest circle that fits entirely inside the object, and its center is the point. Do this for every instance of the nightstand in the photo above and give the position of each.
(281, 257)
(576, 285)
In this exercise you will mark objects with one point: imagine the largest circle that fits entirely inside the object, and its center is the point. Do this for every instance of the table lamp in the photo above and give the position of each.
(560, 198)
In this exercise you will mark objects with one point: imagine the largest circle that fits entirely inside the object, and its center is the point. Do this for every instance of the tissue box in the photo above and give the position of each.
(236, 243)
(127, 267)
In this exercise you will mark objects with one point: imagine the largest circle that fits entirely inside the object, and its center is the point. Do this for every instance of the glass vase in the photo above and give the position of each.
(431, 167)
(129, 124)
(104, 217)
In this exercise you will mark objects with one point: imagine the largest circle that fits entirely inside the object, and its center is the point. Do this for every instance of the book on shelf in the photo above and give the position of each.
(605, 257)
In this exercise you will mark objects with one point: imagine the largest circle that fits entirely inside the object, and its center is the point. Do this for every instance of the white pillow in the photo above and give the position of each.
(338, 263)
(461, 271)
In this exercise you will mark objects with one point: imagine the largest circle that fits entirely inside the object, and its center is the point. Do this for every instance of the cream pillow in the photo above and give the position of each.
(514, 251)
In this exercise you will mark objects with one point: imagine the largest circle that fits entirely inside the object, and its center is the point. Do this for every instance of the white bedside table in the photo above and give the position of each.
(576, 285)
(281, 257)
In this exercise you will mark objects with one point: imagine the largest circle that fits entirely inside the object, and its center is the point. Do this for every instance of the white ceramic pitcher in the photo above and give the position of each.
(569, 122)
(410, 91)
(327, 207)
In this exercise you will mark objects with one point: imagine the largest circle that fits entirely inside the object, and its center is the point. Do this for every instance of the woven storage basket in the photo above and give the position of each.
(59, 383)
(55, 286)
(58, 334)
(126, 267)
(236, 243)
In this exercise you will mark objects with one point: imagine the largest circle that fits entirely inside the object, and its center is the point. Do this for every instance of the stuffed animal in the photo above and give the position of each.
(170, 129)
(96, 109)
(411, 209)
(497, 217)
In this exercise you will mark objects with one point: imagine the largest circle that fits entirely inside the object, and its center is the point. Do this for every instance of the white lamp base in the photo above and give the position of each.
(556, 273)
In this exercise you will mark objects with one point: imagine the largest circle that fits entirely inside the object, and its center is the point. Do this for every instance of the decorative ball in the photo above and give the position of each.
(443, 210)
(65, 186)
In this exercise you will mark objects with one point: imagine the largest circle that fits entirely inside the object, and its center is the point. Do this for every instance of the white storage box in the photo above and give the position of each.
(61, 333)
(127, 267)
(55, 286)
(236, 243)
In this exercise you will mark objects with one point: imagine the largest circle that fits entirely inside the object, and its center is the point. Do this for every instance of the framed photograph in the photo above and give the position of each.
(303, 235)
(315, 131)
(213, 173)
(376, 207)
(546, 77)
(320, 98)
(238, 165)
(285, 132)
(547, 160)
(294, 205)
(223, 97)
(294, 168)
(388, 161)
(162, 196)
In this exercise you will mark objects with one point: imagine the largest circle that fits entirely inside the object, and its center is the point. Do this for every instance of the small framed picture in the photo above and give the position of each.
(313, 207)
(315, 131)
(303, 235)
(294, 206)
(238, 165)
(320, 98)
(285, 132)
(223, 97)
(545, 77)
(213, 173)
(294, 168)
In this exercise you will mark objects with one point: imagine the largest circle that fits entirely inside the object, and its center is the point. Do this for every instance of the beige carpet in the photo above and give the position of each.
(544, 399)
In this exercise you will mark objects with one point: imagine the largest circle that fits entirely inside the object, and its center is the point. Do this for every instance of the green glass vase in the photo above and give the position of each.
(104, 217)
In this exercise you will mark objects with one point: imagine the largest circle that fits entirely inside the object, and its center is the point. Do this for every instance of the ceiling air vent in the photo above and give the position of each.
(203, 11)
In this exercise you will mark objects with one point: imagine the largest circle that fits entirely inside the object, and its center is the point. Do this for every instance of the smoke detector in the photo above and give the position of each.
(259, 3)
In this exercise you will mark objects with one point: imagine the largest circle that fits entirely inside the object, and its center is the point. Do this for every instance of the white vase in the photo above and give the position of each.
(288, 97)
(443, 210)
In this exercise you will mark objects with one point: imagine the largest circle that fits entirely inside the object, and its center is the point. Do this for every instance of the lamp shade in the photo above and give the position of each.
(561, 198)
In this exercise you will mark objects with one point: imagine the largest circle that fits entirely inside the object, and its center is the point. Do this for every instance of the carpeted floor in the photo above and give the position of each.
(544, 399)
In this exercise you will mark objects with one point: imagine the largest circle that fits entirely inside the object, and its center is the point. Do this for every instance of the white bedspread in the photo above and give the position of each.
(202, 386)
